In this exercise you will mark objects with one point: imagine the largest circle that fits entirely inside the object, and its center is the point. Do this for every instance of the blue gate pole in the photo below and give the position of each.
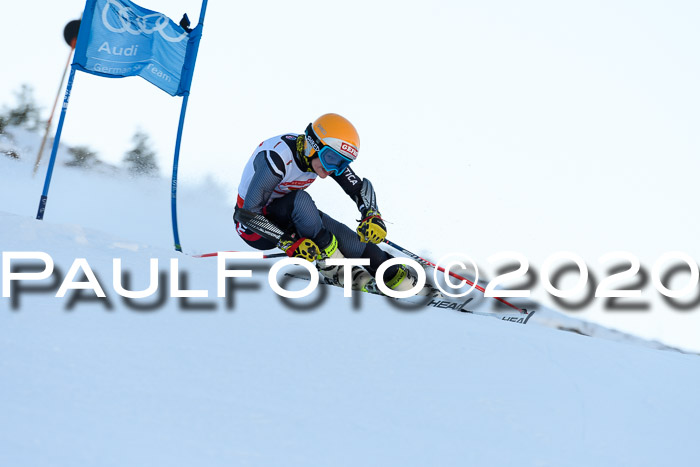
(181, 124)
(54, 150)
(176, 160)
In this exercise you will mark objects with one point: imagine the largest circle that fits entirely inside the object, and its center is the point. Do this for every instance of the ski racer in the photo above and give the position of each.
(274, 210)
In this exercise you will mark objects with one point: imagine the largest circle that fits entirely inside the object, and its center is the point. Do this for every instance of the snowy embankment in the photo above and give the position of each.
(248, 380)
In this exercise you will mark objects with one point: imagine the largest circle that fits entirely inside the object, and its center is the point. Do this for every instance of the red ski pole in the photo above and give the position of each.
(209, 255)
(70, 33)
(425, 262)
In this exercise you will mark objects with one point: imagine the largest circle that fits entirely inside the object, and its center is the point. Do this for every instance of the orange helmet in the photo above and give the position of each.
(334, 139)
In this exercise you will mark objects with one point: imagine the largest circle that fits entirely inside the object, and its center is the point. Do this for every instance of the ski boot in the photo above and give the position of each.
(403, 279)
(335, 274)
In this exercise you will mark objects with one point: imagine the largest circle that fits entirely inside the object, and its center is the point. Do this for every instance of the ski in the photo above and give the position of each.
(441, 302)
(425, 263)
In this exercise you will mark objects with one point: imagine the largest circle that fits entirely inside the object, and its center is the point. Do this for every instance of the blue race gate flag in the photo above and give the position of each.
(119, 38)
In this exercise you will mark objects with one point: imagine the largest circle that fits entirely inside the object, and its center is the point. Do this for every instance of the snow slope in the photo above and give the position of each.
(252, 381)
(260, 384)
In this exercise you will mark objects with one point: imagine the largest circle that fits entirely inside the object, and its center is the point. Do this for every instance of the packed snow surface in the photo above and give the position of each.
(250, 380)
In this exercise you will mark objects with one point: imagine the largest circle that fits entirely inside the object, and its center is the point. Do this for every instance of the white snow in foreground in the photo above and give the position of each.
(260, 384)
(257, 383)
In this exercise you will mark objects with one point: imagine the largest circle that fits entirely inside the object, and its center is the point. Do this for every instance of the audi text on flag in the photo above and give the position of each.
(119, 38)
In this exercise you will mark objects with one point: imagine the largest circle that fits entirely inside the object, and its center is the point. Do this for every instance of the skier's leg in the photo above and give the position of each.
(396, 277)
(297, 213)
(350, 245)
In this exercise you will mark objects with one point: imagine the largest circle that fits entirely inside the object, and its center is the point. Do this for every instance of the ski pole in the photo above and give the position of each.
(70, 34)
(425, 262)
(209, 255)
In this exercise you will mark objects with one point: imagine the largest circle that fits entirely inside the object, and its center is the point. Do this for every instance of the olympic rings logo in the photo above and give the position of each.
(134, 24)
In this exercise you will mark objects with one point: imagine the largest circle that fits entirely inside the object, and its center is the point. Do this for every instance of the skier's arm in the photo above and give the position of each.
(269, 172)
(303, 247)
(372, 227)
(360, 190)
(259, 224)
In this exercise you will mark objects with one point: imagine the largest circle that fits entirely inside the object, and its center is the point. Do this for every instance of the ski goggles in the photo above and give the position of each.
(331, 159)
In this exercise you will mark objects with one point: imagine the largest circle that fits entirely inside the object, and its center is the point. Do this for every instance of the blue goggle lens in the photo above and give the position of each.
(332, 160)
